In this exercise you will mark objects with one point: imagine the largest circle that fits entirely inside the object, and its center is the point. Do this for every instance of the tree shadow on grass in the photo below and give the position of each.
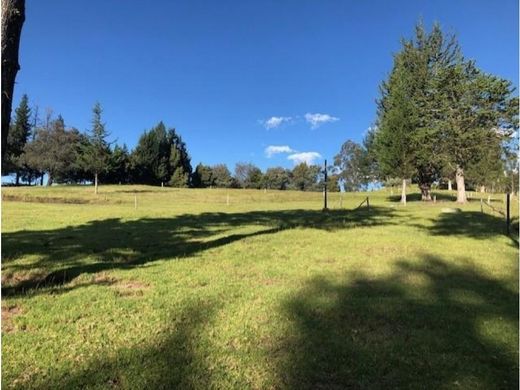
(64, 254)
(173, 359)
(472, 224)
(429, 324)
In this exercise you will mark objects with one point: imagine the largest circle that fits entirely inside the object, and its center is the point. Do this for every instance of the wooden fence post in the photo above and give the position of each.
(368, 204)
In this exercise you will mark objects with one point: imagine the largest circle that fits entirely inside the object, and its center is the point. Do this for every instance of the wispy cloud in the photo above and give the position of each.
(316, 120)
(306, 157)
(276, 121)
(273, 149)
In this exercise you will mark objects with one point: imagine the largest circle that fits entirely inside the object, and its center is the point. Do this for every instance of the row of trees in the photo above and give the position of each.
(302, 177)
(66, 155)
(37, 148)
(439, 118)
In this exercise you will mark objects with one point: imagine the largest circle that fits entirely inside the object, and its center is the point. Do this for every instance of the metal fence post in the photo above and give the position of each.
(508, 214)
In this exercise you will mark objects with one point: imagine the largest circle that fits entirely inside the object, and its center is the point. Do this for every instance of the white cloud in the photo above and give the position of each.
(306, 157)
(272, 150)
(276, 121)
(316, 120)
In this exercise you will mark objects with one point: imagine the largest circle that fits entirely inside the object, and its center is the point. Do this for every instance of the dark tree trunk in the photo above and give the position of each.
(17, 178)
(49, 180)
(426, 194)
(13, 16)
(41, 179)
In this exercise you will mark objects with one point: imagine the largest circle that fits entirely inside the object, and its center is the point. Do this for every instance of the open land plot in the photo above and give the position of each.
(252, 289)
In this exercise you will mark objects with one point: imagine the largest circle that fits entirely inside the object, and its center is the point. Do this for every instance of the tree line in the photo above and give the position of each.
(37, 148)
(440, 119)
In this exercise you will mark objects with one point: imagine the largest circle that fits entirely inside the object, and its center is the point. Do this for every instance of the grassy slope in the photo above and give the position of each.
(267, 292)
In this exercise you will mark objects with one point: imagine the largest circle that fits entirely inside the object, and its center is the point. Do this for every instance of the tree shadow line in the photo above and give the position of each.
(389, 332)
(118, 244)
(419, 326)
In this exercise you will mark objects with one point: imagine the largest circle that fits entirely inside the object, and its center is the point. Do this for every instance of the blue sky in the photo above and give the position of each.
(236, 77)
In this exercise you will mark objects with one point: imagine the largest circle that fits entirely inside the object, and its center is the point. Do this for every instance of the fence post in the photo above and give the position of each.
(325, 187)
(508, 215)
(481, 205)
(368, 204)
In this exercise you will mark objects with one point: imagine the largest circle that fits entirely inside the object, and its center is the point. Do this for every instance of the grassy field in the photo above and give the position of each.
(266, 292)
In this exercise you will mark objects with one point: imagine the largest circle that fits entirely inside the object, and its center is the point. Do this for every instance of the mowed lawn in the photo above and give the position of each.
(266, 292)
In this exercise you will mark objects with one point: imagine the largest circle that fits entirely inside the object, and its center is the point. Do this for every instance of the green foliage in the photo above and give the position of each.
(118, 170)
(202, 177)
(353, 165)
(333, 183)
(438, 112)
(19, 133)
(248, 175)
(55, 151)
(95, 153)
(161, 157)
(222, 176)
(277, 178)
(306, 178)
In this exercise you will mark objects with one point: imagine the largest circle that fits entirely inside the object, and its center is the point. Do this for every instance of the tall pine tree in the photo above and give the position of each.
(96, 152)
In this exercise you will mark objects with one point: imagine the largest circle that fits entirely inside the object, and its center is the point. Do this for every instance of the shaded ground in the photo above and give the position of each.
(113, 243)
(381, 333)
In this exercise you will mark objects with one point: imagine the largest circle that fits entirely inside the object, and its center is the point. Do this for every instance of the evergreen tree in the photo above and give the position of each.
(118, 171)
(180, 165)
(478, 120)
(19, 134)
(96, 152)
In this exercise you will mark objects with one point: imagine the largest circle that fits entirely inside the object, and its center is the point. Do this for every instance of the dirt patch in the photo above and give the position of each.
(104, 278)
(8, 313)
(59, 200)
(130, 288)
(15, 278)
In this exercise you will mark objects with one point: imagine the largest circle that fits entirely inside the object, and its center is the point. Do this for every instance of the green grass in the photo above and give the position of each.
(187, 291)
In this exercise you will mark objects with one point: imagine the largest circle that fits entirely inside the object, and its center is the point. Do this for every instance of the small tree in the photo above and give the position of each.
(95, 152)
(202, 177)
(222, 176)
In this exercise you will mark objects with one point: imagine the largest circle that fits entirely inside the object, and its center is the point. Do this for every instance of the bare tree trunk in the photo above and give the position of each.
(13, 16)
(449, 185)
(17, 178)
(403, 193)
(95, 183)
(49, 180)
(461, 188)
